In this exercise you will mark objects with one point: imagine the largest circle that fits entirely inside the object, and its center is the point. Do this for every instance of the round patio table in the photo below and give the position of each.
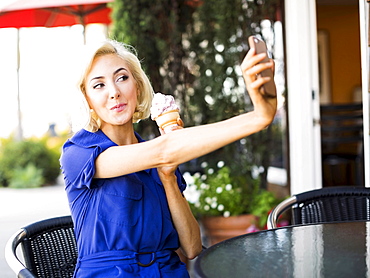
(320, 250)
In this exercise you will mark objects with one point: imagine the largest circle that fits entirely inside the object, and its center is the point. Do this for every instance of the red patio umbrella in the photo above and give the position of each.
(51, 13)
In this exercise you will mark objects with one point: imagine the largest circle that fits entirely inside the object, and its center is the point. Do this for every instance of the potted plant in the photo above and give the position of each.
(227, 204)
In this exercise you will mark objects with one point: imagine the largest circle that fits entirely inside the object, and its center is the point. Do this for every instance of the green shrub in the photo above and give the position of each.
(27, 177)
(15, 155)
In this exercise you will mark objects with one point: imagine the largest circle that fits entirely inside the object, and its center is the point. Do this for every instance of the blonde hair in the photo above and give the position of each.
(129, 55)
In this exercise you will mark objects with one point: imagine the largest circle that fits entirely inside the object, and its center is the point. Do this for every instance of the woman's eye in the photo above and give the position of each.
(122, 78)
(98, 86)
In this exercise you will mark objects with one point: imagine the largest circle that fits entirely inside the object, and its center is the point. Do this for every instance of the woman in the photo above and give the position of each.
(125, 194)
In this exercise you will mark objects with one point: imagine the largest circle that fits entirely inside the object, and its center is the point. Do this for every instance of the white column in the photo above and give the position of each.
(364, 36)
(303, 95)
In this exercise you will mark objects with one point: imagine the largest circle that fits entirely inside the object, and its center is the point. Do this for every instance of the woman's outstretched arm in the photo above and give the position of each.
(186, 144)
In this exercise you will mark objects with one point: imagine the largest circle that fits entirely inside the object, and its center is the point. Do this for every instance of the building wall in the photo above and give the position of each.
(342, 26)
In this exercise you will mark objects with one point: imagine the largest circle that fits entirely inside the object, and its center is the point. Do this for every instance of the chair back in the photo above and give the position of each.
(49, 248)
(330, 204)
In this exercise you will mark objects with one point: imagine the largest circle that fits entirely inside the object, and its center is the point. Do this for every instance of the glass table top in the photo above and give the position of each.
(322, 250)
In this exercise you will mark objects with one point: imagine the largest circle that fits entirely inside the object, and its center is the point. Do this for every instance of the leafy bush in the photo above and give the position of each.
(217, 193)
(27, 177)
(15, 155)
(221, 193)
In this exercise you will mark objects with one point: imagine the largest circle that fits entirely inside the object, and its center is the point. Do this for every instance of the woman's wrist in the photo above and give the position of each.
(167, 178)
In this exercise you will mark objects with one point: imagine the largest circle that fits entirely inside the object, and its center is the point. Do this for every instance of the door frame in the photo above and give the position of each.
(364, 44)
(303, 95)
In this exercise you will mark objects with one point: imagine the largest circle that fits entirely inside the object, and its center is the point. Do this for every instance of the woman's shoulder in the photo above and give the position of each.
(84, 145)
(87, 139)
(79, 154)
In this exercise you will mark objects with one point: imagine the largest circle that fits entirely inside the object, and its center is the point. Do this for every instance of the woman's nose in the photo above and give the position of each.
(114, 93)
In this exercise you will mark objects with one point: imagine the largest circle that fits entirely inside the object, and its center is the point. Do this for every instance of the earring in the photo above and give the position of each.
(91, 110)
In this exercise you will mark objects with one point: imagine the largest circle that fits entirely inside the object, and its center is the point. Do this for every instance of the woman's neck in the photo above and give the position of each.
(121, 135)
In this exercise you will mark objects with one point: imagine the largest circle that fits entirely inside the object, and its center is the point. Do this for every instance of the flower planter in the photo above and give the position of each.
(219, 228)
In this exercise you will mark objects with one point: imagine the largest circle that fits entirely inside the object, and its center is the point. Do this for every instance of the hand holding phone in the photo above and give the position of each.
(269, 89)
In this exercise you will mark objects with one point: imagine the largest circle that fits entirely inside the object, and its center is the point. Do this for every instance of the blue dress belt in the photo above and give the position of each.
(120, 257)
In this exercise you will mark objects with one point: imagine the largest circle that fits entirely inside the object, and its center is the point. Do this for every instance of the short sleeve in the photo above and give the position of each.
(79, 155)
(78, 164)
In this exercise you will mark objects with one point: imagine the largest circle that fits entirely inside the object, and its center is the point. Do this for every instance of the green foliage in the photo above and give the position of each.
(222, 193)
(16, 155)
(262, 204)
(28, 177)
(219, 195)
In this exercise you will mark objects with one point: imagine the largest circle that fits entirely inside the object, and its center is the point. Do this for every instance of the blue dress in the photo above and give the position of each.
(123, 225)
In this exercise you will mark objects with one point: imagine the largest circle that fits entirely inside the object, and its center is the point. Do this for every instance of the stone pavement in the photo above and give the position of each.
(20, 207)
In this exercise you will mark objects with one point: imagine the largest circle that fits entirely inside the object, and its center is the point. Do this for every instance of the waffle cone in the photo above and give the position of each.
(167, 118)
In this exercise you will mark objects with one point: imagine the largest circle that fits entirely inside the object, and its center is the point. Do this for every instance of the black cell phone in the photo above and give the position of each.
(269, 88)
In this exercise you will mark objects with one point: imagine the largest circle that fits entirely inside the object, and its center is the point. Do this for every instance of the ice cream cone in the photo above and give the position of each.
(168, 119)
(165, 112)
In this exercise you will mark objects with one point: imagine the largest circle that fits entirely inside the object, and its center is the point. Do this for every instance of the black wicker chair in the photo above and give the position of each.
(48, 247)
(330, 204)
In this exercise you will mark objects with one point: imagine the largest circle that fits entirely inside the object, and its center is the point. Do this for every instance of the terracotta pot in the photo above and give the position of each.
(219, 228)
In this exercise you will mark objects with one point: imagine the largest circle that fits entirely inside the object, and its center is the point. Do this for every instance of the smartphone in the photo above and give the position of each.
(269, 89)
